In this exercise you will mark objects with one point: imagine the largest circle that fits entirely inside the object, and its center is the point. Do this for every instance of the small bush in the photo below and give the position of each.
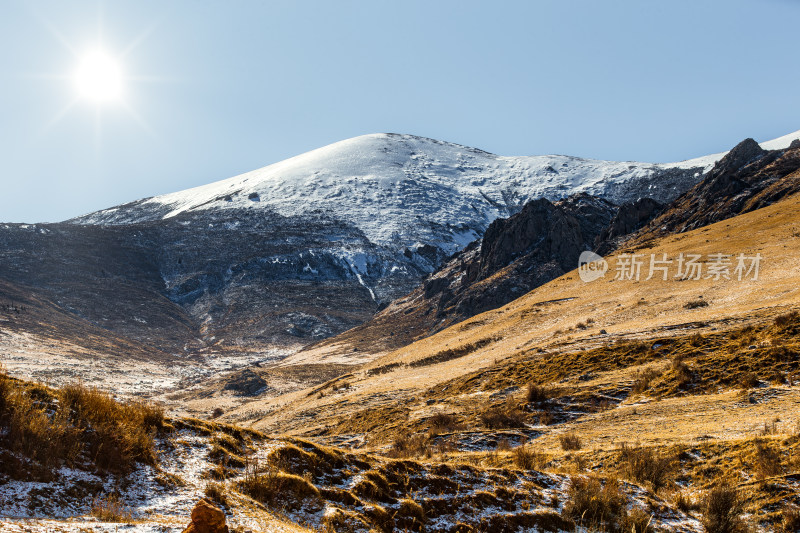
(748, 381)
(526, 458)
(116, 434)
(413, 446)
(216, 492)
(52, 427)
(643, 380)
(570, 442)
(593, 504)
(644, 465)
(790, 520)
(722, 510)
(443, 423)
(682, 372)
(695, 304)
(537, 394)
(503, 417)
(767, 461)
(111, 509)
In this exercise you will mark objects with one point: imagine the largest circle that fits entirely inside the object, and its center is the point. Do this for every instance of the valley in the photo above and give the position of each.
(442, 367)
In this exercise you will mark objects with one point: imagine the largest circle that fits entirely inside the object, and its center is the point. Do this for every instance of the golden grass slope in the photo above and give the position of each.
(569, 313)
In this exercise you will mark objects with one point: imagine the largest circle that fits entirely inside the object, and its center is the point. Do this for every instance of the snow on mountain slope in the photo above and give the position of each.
(781, 142)
(707, 161)
(403, 191)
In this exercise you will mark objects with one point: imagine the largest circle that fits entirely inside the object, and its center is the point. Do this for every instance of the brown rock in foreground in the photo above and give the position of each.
(207, 518)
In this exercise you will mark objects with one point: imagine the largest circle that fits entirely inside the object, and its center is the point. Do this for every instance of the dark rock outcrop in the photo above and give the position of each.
(747, 178)
(629, 218)
(517, 254)
(245, 383)
(541, 226)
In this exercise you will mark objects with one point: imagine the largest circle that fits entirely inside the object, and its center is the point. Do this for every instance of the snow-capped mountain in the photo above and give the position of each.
(405, 190)
(304, 248)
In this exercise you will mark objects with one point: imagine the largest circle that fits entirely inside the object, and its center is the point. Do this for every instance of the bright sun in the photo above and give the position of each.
(99, 78)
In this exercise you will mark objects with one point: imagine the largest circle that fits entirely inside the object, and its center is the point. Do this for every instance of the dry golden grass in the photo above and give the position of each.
(570, 442)
(74, 424)
(594, 504)
(722, 508)
(692, 385)
(648, 466)
(111, 509)
(280, 489)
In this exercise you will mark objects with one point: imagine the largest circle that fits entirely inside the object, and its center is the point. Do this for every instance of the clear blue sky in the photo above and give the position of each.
(213, 89)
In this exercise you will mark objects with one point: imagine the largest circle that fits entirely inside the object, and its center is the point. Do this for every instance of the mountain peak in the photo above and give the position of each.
(402, 190)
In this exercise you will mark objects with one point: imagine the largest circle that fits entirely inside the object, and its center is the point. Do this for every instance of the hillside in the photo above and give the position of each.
(619, 403)
(479, 278)
(299, 251)
(516, 255)
(697, 373)
(569, 315)
(111, 465)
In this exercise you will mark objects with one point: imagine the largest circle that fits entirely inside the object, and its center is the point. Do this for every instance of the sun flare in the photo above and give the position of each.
(99, 77)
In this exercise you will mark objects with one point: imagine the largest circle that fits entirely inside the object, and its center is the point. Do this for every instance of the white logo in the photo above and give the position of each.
(591, 266)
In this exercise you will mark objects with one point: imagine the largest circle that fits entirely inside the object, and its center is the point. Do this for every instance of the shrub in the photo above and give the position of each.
(111, 509)
(537, 394)
(271, 486)
(767, 461)
(644, 465)
(44, 437)
(526, 458)
(683, 502)
(593, 504)
(643, 380)
(54, 427)
(503, 417)
(694, 304)
(443, 423)
(116, 435)
(413, 446)
(790, 520)
(748, 380)
(683, 373)
(216, 492)
(722, 509)
(570, 442)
